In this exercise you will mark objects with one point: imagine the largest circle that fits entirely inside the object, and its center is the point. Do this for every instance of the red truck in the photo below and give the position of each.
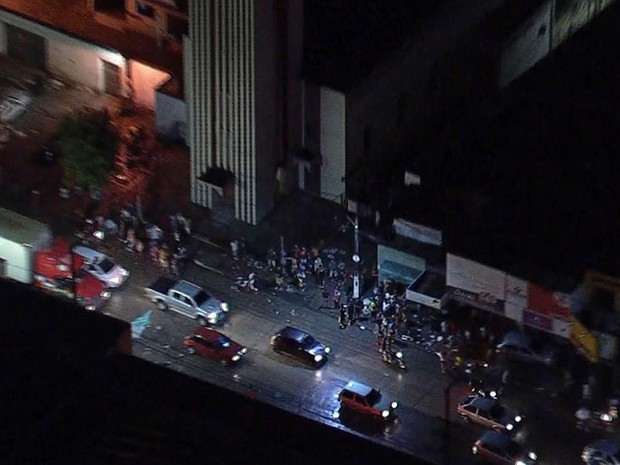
(29, 254)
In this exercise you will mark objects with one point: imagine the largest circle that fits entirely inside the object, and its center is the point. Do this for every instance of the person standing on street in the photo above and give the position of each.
(336, 297)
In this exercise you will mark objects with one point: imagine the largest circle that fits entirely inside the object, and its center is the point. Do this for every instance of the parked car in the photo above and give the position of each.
(366, 400)
(497, 448)
(602, 452)
(187, 299)
(489, 413)
(14, 104)
(101, 266)
(212, 344)
(518, 347)
(300, 345)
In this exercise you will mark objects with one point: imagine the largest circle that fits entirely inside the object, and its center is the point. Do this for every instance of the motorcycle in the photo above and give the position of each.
(480, 390)
(246, 284)
(394, 359)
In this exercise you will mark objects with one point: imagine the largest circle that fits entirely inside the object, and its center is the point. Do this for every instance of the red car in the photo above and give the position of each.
(210, 343)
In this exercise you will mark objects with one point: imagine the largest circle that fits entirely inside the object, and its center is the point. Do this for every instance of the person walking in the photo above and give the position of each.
(342, 319)
(336, 297)
(325, 296)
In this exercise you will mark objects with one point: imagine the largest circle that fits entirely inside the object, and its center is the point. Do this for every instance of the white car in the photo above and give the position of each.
(14, 104)
(102, 267)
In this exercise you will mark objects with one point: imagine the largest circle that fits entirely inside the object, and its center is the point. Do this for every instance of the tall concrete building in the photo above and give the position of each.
(241, 62)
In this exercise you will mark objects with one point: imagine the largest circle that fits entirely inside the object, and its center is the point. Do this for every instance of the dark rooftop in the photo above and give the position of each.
(345, 39)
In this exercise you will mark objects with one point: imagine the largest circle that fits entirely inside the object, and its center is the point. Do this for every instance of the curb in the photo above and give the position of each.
(209, 268)
(206, 240)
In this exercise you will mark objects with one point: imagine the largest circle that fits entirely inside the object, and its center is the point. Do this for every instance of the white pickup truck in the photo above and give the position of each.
(187, 299)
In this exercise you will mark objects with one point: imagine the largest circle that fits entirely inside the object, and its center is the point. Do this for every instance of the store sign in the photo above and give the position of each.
(583, 339)
(538, 321)
(482, 300)
(551, 303)
(473, 277)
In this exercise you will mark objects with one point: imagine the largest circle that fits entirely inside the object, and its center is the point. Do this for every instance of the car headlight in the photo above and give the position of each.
(116, 279)
(518, 419)
(474, 449)
(106, 294)
(90, 308)
(124, 272)
(385, 413)
(318, 358)
(509, 426)
(327, 350)
(212, 316)
(519, 462)
(399, 355)
(244, 350)
(236, 358)
(606, 417)
(532, 456)
(393, 405)
(224, 306)
(493, 394)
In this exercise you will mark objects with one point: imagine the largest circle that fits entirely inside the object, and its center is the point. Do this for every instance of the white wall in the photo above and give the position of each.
(333, 146)
(527, 46)
(69, 57)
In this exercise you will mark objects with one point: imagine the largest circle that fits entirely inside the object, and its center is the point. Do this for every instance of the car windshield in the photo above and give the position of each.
(223, 342)
(201, 297)
(106, 265)
(373, 397)
(308, 341)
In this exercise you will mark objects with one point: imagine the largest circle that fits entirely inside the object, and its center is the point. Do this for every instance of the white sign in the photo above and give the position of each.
(516, 291)
(416, 297)
(417, 232)
(513, 311)
(476, 278)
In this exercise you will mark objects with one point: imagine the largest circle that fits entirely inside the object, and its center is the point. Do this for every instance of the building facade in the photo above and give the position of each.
(241, 62)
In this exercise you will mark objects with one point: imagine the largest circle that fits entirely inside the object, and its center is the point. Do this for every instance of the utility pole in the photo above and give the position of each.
(356, 258)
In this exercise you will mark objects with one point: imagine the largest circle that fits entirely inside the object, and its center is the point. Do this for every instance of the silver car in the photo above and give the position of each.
(101, 266)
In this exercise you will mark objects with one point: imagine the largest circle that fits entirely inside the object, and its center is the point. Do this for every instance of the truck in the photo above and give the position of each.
(188, 299)
(29, 254)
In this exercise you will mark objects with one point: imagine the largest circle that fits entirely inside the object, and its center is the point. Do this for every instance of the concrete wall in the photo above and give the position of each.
(333, 148)
(405, 77)
(266, 122)
(2, 37)
(171, 117)
(528, 45)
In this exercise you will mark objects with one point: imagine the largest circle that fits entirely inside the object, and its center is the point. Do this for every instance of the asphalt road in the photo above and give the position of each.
(420, 429)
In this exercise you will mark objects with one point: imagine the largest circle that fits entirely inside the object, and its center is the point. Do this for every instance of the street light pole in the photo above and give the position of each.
(356, 258)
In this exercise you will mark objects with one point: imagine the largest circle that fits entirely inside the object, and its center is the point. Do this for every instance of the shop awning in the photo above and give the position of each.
(398, 273)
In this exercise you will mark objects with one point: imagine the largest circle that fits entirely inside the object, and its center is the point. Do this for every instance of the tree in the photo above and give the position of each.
(88, 146)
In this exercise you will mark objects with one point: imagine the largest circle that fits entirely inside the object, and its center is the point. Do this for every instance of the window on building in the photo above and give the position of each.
(144, 9)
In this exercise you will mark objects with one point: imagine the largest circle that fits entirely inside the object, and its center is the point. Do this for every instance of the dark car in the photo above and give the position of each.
(212, 344)
(300, 345)
(499, 449)
(519, 347)
(488, 412)
(366, 400)
(602, 452)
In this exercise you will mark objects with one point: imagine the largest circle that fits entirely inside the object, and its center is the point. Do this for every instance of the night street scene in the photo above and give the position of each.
(309, 232)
